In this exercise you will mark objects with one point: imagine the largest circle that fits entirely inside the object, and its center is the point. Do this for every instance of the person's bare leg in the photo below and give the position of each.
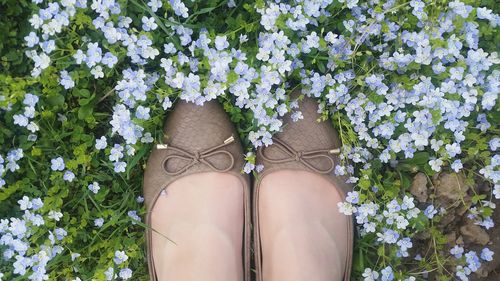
(203, 214)
(303, 235)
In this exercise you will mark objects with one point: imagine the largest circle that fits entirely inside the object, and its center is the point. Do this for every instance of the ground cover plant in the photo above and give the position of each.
(411, 86)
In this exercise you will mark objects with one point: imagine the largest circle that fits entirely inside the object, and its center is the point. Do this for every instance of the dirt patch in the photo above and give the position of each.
(449, 191)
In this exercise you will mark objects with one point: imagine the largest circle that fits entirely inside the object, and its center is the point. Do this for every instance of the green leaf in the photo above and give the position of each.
(56, 100)
(421, 222)
(85, 111)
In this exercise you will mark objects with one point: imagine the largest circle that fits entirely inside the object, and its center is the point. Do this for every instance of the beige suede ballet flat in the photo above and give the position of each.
(303, 145)
(196, 139)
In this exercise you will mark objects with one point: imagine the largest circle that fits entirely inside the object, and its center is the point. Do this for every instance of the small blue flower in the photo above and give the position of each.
(120, 257)
(149, 24)
(119, 167)
(57, 164)
(457, 165)
(60, 233)
(487, 254)
(221, 43)
(94, 187)
(494, 144)
(98, 222)
(125, 273)
(457, 251)
(101, 143)
(155, 5)
(66, 80)
(69, 176)
(387, 274)
(352, 197)
(109, 60)
(142, 112)
(116, 153)
(430, 211)
(463, 272)
(30, 100)
(472, 261)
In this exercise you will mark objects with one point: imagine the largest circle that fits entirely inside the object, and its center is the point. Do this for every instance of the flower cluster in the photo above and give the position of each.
(472, 260)
(10, 163)
(15, 236)
(387, 224)
(25, 119)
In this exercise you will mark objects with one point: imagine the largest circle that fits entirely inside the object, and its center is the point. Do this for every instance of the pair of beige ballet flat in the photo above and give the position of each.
(203, 139)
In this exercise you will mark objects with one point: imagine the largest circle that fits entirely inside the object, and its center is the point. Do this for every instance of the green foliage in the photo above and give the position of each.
(13, 27)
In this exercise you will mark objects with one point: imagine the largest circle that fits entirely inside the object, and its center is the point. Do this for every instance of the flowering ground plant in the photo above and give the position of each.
(411, 86)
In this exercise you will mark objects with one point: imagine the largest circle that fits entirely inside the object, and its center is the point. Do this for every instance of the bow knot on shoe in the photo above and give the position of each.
(298, 156)
(197, 157)
(303, 157)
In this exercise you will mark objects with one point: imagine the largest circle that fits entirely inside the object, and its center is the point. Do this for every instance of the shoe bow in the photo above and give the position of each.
(304, 157)
(197, 157)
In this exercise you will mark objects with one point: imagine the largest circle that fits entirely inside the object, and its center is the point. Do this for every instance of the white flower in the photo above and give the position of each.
(25, 203)
(125, 273)
(487, 254)
(57, 164)
(496, 191)
(69, 176)
(352, 197)
(457, 251)
(119, 167)
(436, 164)
(55, 215)
(98, 222)
(221, 43)
(457, 165)
(116, 153)
(21, 120)
(94, 187)
(31, 40)
(42, 61)
(346, 208)
(97, 72)
(30, 100)
(66, 81)
(370, 275)
(74, 256)
(109, 273)
(296, 116)
(36, 203)
(101, 143)
(60, 233)
(169, 48)
(155, 5)
(142, 112)
(148, 24)
(133, 215)
(243, 38)
(120, 257)
(79, 56)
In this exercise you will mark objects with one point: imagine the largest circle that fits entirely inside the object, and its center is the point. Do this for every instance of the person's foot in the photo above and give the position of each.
(303, 236)
(199, 223)
(300, 234)
(203, 215)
